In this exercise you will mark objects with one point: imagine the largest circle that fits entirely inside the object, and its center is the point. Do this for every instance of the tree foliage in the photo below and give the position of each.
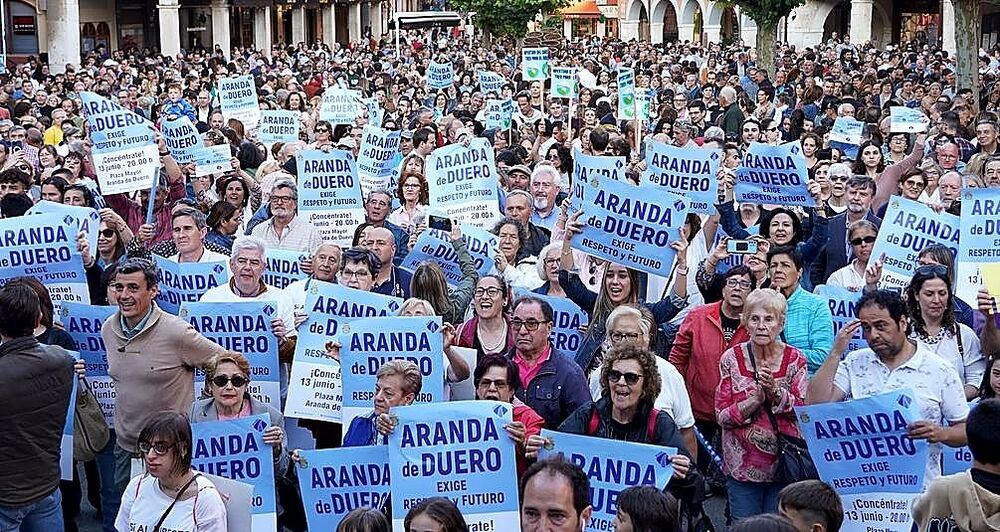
(767, 14)
(506, 18)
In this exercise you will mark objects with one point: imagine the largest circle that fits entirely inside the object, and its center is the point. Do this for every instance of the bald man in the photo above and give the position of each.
(391, 281)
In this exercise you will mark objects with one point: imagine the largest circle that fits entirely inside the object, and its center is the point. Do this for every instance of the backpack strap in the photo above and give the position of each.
(595, 421)
(651, 424)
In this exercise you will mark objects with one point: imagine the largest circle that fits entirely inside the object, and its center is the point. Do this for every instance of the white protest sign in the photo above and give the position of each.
(124, 151)
(340, 105)
(378, 150)
(238, 99)
(213, 160)
(463, 183)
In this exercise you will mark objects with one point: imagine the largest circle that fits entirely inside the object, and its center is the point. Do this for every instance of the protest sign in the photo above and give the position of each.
(564, 84)
(244, 327)
(435, 245)
(991, 279)
(534, 64)
(567, 317)
(181, 138)
(611, 466)
(369, 343)
(629, 225)
(330, 194)
(979, 243)
(238, 99)
(124, 148)
(907, 120)
(440, 75)
(463, 183)
(843, 306)
(66, 464)
(339, 105)
(83, 323)
(602, 167)
(279, 126)
(378, 151)
(457, 450)
(955, 459)
(314, 386)
(88, 220)
(690, 173)
(238, 498)
(861, 449)
(43, 246)
(335, 481)
(626, 94)
(235, 449)
(213, 160)
(283, 267)
(499, 114)
(186, 282)
(907, 228)
(774, 175)
(846, 135)
(643, 101)
(491, 82)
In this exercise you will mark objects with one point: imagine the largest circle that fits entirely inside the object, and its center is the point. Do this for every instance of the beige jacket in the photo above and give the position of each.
(956, 502)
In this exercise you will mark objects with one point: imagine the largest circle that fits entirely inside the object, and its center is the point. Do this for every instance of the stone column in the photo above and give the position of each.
(713, 32)
(63, 21)
(685, 32)
(376, 14)
(628, 30)
(298, 25)
(948, 27)
(656, 32)
(567, 28)
(354, 21)
(329, 24)
(861, 21)
(220, 26)
(262, 29)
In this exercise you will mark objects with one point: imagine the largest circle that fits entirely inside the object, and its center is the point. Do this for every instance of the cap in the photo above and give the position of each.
(519, 168)
(407, 134)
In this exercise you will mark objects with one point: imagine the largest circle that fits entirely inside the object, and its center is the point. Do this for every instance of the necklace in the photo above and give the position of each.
(501, 339)
(933, 339)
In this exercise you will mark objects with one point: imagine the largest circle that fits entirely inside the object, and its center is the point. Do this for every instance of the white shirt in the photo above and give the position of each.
(144, 503)
(847, 278)
(286, 309)
(673, 398)
(939, 394)
(970, 365)
(207, 256)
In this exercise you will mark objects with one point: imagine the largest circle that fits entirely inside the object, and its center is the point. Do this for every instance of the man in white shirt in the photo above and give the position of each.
(545, 191)
(285, 229)
(189, 228)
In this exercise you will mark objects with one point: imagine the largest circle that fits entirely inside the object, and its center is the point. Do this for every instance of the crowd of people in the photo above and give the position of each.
(711, 360)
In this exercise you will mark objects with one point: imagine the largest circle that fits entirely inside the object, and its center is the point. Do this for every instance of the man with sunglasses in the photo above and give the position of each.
(838, 252)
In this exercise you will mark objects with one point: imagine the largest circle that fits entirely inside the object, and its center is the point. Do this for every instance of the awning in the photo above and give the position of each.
(425, 19)
(585, 9)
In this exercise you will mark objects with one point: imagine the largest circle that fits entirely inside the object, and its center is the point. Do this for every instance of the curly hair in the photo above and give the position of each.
(522, 234)
(651, 381)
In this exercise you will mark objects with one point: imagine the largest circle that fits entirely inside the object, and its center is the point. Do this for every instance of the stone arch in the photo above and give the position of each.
(666, 12)
(635, 9)
(690, 11)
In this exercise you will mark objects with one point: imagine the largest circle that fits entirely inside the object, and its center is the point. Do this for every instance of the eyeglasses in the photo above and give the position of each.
(412, 185)
(282, 199)
(550, 262)
(486, 384)
(159, 447)
(619, 336)
(914, 183)
(491, 291)
(733, 282)
(107, 233)
(243, 261)
(862, 240)
(238, 381)
(839, 178)
(357, 274)
(630, 378)
(378, 203)
(531, 325)
(322, 130)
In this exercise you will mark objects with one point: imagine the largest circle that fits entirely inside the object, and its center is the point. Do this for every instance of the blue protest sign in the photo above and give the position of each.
(690, 173)
(491, 82)
(979, 242)
(43, 246)
(629, 225)
(440, 75)
(244, 327)
(369, 343)
(774, 175)
(534, 64)
(379, 148)
(88, 220)
(330, 194)
(283, 267)
(434, 245)
(457, 450)
(212, 160)
(66, 444)
(626, 94)
(843, 307)
(339, 105)
(907, 228)
(181, 138)
(83, 323)
(846, 135)
(567, 317)
(564, 84)
(335, 481)
(955, 459)
(279, 126)
(124, 150)
(603, 167)
(186, 282)
(238, 99)
(611, 466)
(906, 120)
(463, 183)
(235, 449)
(376, 114)
(499, 114)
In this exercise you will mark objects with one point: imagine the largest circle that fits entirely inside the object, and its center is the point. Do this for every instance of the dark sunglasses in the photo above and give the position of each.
(931, 270)
(159, 448)
(862, 240)
(238, 381)
(630, 378)
(107, 233)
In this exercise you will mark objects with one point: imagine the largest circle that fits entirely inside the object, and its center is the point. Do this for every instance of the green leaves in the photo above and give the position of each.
(507, 18)
(767, 12)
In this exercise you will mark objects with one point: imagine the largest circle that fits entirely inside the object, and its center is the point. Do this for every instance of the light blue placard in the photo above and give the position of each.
(774, 175)
(491, 82)
(564, 83)
(66, 444)
(181, 138)
(244, 327)
(463, 183)
(83, 323)
(314, 385)
(846, 135)
(843, 307)
(283, 267)
(436, 246)
(862, 445)
(567, 317)
(124, 150)
(238, 99)
(626, 94)
(330, 193)
(955, 459)
(88, 220)
(339, 105)
(907, 228)
(689, 173)
(379, 148)
(376, 114)
(979, 242)
(369, 343)
(457, 450)
(235, 449)
(440, 75)
(330, 305)
(534, 64)
(279, 126)
(43, 246)
(611, 466)
(186, 282)
(213, 160)
(906, 120)
(336, 481)
(629, 225)
(499, 114)
(603, 167)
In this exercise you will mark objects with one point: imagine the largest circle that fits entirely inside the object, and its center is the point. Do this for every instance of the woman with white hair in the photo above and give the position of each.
(548, 271)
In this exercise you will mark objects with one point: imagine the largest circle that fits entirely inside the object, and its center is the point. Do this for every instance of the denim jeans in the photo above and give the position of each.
(123, 469)
(747, 499)
(43, 515)
(111, 498)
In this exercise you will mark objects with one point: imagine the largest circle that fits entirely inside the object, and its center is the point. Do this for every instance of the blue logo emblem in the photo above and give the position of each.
(663, 459)
(432, 327)
(259, 425)
(269, 310)
(500, 410)
(904, 401)
(393, 306)
(218, 268)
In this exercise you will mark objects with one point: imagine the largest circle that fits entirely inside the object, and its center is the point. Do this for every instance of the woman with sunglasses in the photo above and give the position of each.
(170, 495)
(323, 135)
(861, 236)
(227, 379)
(932, 318)
(111, 242)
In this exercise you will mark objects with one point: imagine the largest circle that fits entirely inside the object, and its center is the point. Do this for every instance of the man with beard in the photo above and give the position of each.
(546, 193)
(837, 252)
(285, 229)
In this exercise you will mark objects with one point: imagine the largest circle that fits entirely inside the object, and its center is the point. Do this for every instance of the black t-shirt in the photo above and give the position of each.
(729, 326)
(989, 481)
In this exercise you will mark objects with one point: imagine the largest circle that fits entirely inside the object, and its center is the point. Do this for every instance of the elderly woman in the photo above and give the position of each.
(398, 383)
(548, 271)
(488, 331)
(760, 378)
(456, 368)
(861, 236)
(171, 495)
(512, 261)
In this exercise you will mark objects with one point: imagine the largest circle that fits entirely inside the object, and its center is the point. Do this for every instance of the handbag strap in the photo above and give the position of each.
(177, 497)
(767, 402)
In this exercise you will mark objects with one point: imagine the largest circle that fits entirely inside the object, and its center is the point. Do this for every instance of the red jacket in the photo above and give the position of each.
(698, 361)
(533, 425)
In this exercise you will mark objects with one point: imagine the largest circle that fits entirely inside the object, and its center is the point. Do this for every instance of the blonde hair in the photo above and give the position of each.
(417, 302)
(412, 379)
(212, 366)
